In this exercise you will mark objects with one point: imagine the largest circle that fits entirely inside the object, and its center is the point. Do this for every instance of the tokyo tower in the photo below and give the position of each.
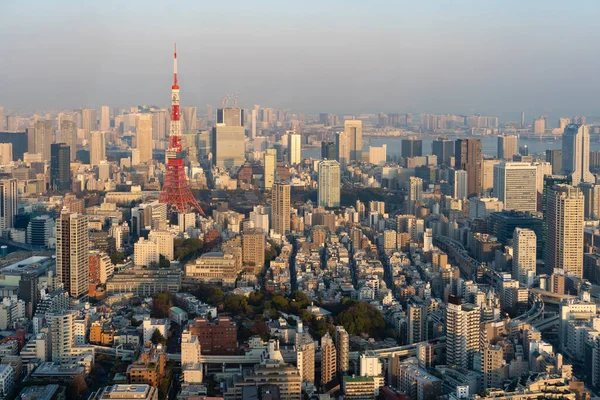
(176, 189)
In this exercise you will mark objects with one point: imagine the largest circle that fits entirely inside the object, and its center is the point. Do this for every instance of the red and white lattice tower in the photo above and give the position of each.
(176, 189)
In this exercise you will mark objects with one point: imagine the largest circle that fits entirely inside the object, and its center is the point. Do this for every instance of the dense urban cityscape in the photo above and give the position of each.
(238, 251)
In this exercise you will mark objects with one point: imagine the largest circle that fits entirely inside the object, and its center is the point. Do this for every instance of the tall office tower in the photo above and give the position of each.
(524, 255)
(468, 157)
(522, 120)
(539, 125)
(295, 148)
(487, 175)
(253, 249)
(62, 334)
(12, 124)
(60, 167)
(443, 149)
(412, 148)
(328, 151)
(270, 164)
(105, 118)
(462, 332)
(415, 190)
(1, 118)
(160, 124)
(342, 344)
(97, 148)
(72, 246)
(329, 184)
(228, 138)
(591, 195)
(576, 154)
(280, 208)
(353, 130)
(143, 129)
(563, 122)
(6, 153)
(543, 169)
(29, 292)
(461, 182)
(328, 359)
(39, 142)
(89, 121)
(305, 356)
(210, 116)
(8, 203)
(492, 366)
(189, 116)
(515, 184)
(417, 321)
(254, 122)
(507, 147)
(342, 150)
(564, 230)
(68, 135)
(554, 157)
(579, 120)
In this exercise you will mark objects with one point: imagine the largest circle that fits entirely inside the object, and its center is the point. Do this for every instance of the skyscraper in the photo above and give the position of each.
(68, 136)
(576, 154)
(12, 123)
(554, 157)
(468, 156)
(412, 148)
(228, 138)
(524, 255)
(188, 118)
(564, 230)
(97, 148)
(342, 150)
(329, 184)
(415, 190)
(39, 143)
(253, 249)
(515, 184)
(443, 149)
(461, 182)
(160, 124)
(89, 121)
(1, 118)
(342, 344)
(254, 122)
(462, 332)
(8, 203)
(295, 148)
(280, 207)
(60, 167)
(62, 334)
(507, 147)
(72, 246)
(591, 195)
(270, 162)
(104, 118)
(328, 359)
(353, 130)
(143, 129)
(328, 151)
(539, 125)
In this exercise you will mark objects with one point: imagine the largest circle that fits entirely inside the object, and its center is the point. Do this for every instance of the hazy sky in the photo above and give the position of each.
(491, 57)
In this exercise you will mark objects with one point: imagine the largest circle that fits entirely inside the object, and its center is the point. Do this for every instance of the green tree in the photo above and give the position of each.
(163, 262)
(158, 338)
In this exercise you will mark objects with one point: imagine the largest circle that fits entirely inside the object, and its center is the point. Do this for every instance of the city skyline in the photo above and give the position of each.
(299, 67)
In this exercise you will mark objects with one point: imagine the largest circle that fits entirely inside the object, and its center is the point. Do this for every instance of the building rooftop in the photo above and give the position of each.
(38, 264)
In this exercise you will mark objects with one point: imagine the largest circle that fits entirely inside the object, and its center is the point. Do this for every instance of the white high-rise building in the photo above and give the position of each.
(461, 188)
(515, 185)
(524, 256)
(353, 130)
(329, 183)
(270, 162)
(72, 248)
(462, 332)
(68, 135)
(295, 148)
(8, 203)
(576, 154)
(342, 150)
(143, 129)
(89, 121)
(97, 148)
(105, 118)
(564, 230)
(145, 252)
(165, 243)
(254, 116)
(62, 335)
